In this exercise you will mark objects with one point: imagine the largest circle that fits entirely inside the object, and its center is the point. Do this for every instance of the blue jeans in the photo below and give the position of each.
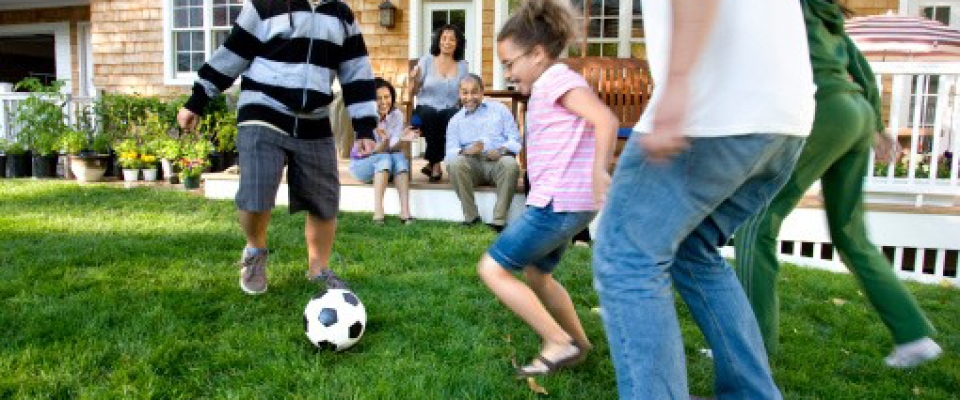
(661, 226)
(363, 169)
(539, 238)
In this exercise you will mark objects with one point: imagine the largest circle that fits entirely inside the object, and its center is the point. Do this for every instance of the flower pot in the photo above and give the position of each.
(149, 174)
(191, 182)
(131, 175)
(18, 165)
(216, 162)
(112, 167)
(63, 167)
(169, 171)
(230, 159)
(88, 168)
(45, 166)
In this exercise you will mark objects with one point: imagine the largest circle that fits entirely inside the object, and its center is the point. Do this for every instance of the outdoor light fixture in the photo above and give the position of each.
(388, 14)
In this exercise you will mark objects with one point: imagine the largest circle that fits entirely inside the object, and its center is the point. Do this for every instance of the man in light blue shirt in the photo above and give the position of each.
(482, 144)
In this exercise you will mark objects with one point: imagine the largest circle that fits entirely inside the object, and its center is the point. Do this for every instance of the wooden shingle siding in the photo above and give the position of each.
(127, 39)
(873, 7)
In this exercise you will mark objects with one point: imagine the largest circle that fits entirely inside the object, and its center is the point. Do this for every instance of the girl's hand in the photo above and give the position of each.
(366, 146)
(381, 132)
(601, 184)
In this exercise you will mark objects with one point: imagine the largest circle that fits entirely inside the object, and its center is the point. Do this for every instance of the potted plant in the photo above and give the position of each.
(194, 162)
(86, 158)
(152, 131)
(191, 168)
(129, 160)
(227, 139)
(168, 150)
(148, 166)
(40, 118)
(18, 160)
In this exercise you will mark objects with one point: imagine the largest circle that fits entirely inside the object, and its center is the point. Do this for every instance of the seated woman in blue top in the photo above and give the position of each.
(386, 160)
(436, 83)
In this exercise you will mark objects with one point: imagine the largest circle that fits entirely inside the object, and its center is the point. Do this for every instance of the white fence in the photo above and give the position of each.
(921, 247)
(74, 108)
(922, 106)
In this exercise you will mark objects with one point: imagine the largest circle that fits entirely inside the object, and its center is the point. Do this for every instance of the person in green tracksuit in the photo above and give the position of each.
(837, 152)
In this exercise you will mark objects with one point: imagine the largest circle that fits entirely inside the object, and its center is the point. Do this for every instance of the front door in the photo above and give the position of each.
(459, 14)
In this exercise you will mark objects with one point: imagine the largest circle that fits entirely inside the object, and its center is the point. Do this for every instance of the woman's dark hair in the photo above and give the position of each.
(548, 23)
(461, 41)
(382, 83)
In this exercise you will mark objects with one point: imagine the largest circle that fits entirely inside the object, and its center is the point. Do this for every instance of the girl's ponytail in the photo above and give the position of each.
(548, 23)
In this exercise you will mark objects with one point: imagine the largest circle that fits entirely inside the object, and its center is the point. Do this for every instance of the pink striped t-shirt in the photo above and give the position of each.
(560, 145)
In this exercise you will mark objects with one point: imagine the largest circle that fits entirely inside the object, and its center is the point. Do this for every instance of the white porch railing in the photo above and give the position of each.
(922, 106)
(74, 108)
(921, 247)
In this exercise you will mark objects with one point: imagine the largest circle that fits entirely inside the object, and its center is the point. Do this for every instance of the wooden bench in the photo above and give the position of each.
(623, 84)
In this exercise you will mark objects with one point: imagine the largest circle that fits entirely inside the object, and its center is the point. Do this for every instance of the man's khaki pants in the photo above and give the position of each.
(467, 172)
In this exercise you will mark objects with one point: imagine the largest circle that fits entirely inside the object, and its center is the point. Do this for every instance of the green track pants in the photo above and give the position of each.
(837, 152)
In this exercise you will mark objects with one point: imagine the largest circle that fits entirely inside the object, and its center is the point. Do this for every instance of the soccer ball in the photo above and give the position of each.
(334, 319)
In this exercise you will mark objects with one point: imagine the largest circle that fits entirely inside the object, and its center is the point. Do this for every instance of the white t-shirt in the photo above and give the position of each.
(753, 76)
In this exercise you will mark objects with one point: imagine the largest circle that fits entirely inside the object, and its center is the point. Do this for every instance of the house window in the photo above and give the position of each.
(937, 13)
(196, 29)
(614, 28)
(926, 98)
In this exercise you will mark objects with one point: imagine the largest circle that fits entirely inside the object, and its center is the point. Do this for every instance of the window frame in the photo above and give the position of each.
(625, 39)
(171, 76)
(934, 8)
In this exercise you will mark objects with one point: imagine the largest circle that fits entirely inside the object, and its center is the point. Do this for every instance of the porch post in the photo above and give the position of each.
(904, 7)
(413, 35)
(499, 17)
(625, 28)
(478, 33)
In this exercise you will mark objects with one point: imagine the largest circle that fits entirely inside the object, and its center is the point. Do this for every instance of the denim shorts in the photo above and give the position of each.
(365, 168)
(538, 238)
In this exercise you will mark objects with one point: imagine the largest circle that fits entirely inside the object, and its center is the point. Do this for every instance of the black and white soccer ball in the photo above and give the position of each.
(334, 319)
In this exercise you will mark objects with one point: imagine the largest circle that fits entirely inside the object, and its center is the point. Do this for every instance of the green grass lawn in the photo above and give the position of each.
(132, 293)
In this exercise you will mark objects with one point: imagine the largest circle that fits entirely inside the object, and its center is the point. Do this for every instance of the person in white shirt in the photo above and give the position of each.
(732, 105)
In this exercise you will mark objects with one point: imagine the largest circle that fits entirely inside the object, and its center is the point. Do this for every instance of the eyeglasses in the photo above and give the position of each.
(508, 65)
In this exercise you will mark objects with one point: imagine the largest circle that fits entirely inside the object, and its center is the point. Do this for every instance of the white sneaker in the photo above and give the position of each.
(909, 355)
(253, 272)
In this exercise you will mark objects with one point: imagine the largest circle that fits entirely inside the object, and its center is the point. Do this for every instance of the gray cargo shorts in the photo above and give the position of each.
(312, 177)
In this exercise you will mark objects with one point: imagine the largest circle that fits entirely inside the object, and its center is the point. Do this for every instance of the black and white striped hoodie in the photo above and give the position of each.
(289, 52)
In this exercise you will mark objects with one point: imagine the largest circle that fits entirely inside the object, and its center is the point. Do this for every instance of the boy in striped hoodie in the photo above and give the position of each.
(288, 53)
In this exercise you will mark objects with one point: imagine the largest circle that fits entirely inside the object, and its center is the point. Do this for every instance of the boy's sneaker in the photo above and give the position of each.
(912, 354)
(330, 279)
(253, 271)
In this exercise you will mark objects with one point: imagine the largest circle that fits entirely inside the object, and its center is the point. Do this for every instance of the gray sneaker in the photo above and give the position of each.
(253, 272)
(330, 279)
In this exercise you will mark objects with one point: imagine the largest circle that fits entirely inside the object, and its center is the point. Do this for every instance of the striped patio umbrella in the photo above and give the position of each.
(904, 37)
